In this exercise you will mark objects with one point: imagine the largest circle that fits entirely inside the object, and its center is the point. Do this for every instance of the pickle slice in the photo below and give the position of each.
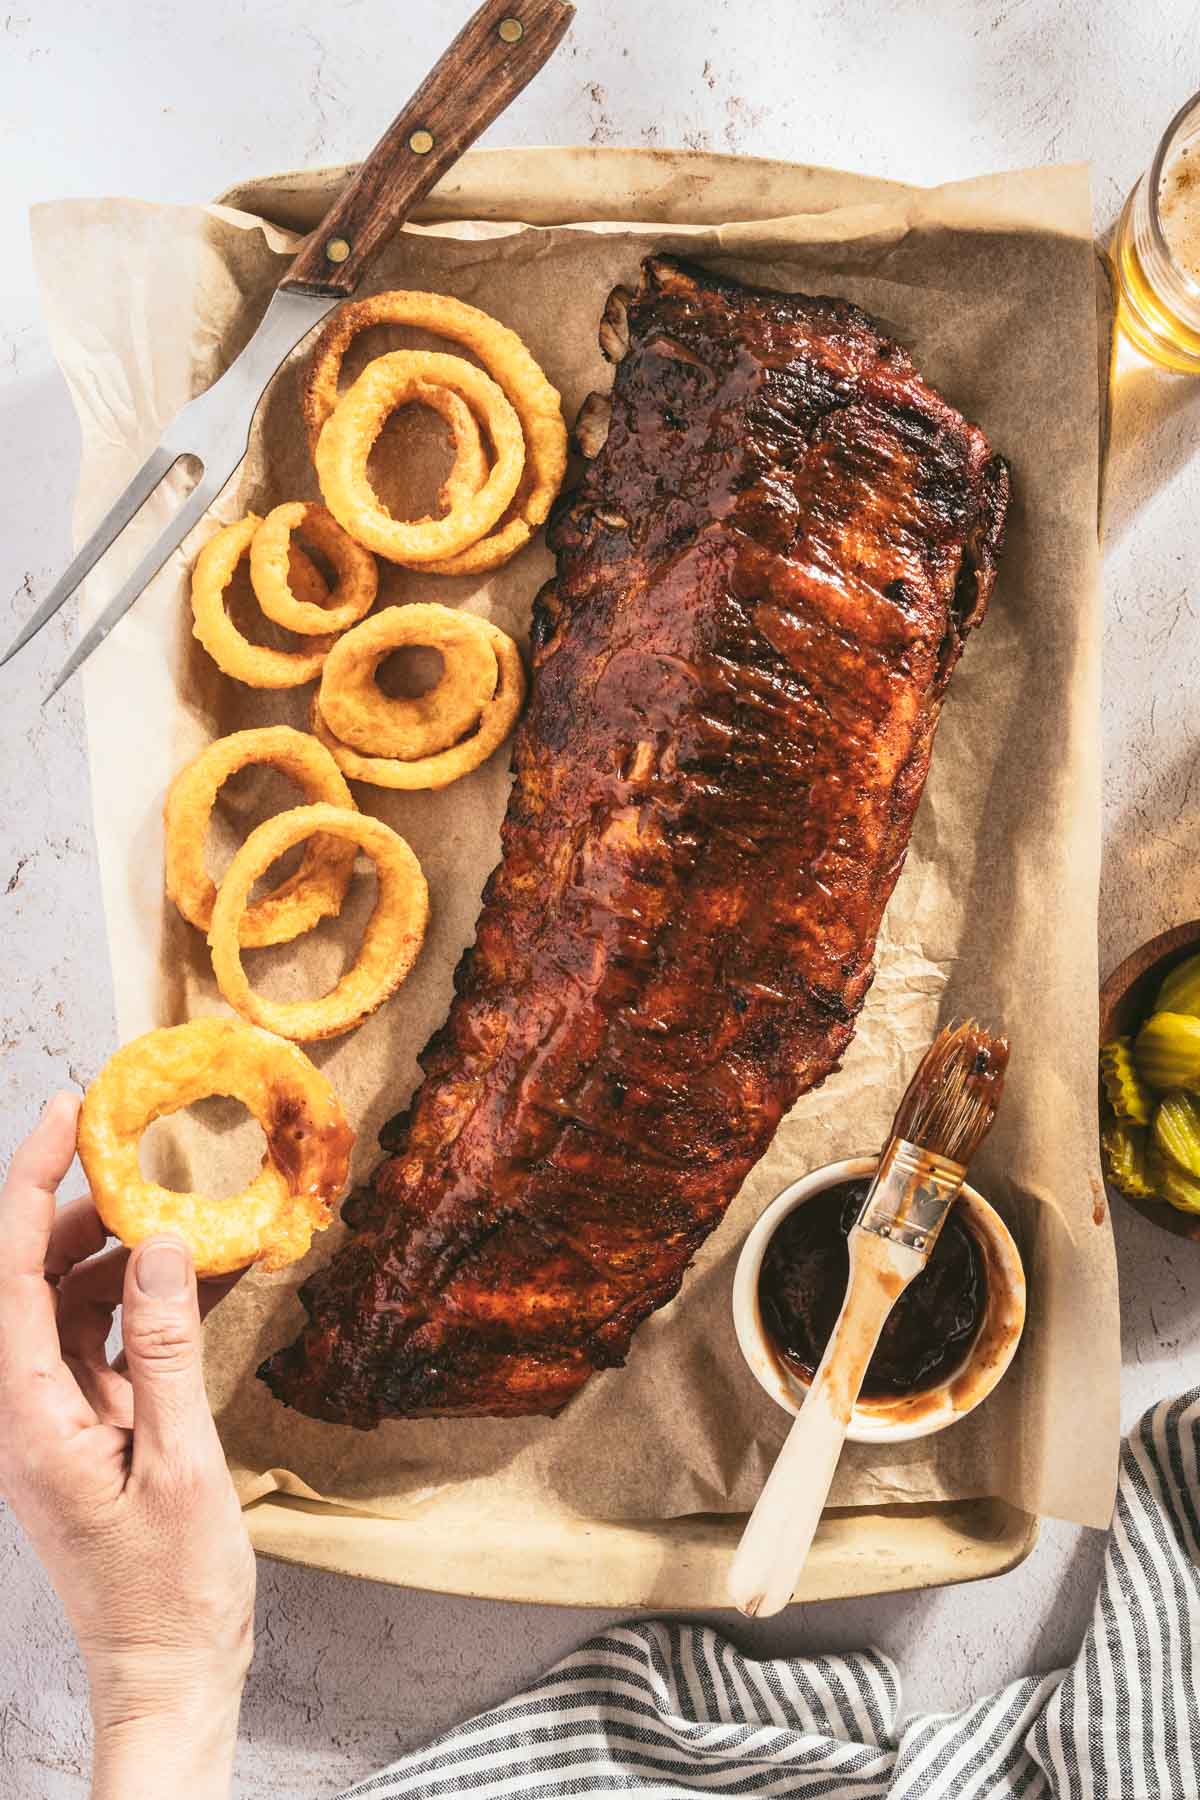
(1173, 1184)
(1180, 992)
(1177, 1132)
(1167, 1052)
(1125, 1151)
(1128, 1094)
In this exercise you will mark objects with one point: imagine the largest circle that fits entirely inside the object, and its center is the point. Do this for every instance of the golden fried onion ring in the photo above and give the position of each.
(255, 664)
(308, 1143)
(362, 717)
(538, 404)
(393, 937)
(471, 465)
(270, 556)
(438, 771)
(356, 421)
(317, 888)
(511, 534)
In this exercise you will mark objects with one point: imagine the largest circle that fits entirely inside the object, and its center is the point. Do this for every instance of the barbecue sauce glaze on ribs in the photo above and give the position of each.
(765, 578)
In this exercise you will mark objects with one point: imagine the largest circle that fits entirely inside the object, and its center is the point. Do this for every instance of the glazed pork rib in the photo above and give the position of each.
(764, 581)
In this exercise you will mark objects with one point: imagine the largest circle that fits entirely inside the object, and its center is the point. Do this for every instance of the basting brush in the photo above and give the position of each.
(943, 1118)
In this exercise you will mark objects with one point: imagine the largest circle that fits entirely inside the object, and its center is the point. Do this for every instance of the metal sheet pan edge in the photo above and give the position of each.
(677, 1563)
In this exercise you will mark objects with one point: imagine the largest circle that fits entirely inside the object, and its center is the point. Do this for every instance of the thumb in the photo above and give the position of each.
(160, 1324)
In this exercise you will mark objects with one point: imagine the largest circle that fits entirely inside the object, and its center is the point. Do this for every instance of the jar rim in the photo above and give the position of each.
(1154, 185)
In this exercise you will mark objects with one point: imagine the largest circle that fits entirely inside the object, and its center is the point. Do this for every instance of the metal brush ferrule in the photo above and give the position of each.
(911, 1193)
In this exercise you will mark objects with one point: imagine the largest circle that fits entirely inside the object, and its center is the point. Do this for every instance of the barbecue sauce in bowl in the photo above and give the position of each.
(802, 1284)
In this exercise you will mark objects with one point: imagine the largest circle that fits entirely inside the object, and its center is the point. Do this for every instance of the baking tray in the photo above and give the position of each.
(674, 1563)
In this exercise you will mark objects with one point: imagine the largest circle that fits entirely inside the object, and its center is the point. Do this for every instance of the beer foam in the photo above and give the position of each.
(1179, 210)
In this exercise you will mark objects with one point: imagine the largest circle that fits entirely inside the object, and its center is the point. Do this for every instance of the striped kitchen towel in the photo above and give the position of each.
(669, 1710)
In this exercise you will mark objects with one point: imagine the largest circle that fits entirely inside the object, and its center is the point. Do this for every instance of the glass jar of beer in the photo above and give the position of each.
(1157, 250)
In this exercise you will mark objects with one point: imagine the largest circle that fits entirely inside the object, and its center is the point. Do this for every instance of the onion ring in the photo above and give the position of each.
(512, 533)
(358, 418)
(308, 1143)
(438, 771)
(538, 404)
(393, 937)
(256, 665)
(270, 548)
(362, 717)
(317, 888)
(470, 468)
(471, 465)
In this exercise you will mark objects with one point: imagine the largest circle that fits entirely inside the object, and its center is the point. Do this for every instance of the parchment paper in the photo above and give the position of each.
(990, 283)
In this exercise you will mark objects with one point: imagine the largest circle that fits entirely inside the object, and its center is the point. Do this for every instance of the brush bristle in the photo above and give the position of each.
(952, 1099)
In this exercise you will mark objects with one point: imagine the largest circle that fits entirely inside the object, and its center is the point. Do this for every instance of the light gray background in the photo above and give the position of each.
(175, 102)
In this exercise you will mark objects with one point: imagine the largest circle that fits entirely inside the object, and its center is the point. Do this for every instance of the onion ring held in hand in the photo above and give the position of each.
(317, 888)
(538, 404)
(270, 552)
(394, 933)
(356, 421)
(255, 664)
(308, 1143)
(437, 771)
(362, 717)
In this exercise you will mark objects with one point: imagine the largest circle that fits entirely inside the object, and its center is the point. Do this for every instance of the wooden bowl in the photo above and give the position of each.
(1126, 999)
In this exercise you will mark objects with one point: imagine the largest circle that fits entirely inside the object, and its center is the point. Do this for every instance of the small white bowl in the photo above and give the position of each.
(892, 1420)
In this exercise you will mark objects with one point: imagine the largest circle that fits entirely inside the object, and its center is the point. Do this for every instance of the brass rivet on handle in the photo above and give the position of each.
(337, 250)
(511, 31)
(421, 143)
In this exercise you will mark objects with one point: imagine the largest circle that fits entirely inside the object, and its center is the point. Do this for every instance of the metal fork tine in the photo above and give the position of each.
(157, 464)
(189, 514)
(214, 428)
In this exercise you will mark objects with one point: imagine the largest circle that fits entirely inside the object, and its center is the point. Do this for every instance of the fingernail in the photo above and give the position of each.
(162, 1271)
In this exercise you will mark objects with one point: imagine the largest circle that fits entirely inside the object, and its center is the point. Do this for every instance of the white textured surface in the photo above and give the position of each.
(174, 102)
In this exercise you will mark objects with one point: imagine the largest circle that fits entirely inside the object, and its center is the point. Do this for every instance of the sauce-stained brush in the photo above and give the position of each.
(943, 1118)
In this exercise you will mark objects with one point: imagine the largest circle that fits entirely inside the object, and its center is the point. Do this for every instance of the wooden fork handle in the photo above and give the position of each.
(495, 55)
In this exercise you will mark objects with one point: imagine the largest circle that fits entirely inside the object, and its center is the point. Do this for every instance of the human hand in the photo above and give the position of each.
(117, 1475)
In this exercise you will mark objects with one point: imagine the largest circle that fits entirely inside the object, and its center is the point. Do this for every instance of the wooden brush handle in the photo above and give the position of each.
(776, 1542)
(495, 55)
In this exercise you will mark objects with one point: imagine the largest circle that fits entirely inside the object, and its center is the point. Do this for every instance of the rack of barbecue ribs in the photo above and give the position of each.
(764, 580)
